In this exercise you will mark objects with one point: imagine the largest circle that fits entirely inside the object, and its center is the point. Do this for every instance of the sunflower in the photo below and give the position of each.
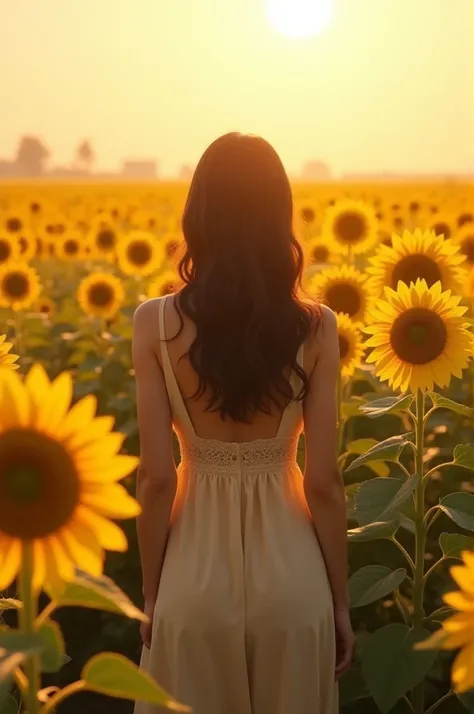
(351, 349)
(104, 239)
(343, 289)
(421, 254)
(101, 295)
(19, 285)
(419, 337)
(58, 479)
(27, 244)
(465, 240)
(464, 217)
(443, 225)
(140, 253)
(9, 248)
(70, 247)
(171, 245)
(318, 252)
(457, 632)
(7, 359)
(45, 306)
(351, 226)
(13, 222)
(166, 283)
(469, 286)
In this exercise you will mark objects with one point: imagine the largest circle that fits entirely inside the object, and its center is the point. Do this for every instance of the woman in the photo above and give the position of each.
(244, 560)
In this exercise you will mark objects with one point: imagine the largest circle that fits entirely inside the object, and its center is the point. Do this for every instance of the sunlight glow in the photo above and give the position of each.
(299, 18)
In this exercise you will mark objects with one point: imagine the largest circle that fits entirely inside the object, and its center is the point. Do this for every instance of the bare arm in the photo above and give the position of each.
(323, 485)
(156, 480)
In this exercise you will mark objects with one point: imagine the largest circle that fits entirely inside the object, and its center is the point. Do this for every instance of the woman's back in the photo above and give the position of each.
(235, 582)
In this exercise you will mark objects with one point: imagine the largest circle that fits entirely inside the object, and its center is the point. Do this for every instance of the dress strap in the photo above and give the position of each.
(286, 421)
(178, 407)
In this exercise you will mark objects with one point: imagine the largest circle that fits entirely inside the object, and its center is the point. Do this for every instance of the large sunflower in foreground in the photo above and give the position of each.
(140, 253)
(59, 470)
(343, 289)
(351, 349)
(7, 359)
(101, 295)
(19, 285)
(350, 226)
(457, 632)
(419, 337)
(418, 255)
(164, 284)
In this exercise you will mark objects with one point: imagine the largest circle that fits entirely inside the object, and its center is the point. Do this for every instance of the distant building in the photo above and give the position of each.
(140, 169)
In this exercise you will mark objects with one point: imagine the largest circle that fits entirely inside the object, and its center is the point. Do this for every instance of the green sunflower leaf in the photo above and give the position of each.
(440, 402)
(453, 544)
(113, 674)
(52, 655)
(460, 508)
(464, 456)
(391, 666)
(387, 405)
(380, 499)
(372, 583)
(373, 531)
(97, 593)
(387, 450)
(352, 686)
(8, 705)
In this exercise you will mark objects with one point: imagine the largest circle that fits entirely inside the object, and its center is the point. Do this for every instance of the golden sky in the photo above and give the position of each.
(388, 85)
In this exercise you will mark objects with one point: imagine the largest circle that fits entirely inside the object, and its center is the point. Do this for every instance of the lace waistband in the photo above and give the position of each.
(234, 456)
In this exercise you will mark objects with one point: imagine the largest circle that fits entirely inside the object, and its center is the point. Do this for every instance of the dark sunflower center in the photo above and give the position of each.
(171, 248)
(344, 347)
(320, 254)
(35, 207)
(39, 485)
(350, 227)
(13, 225)
(442, 229)
(414, 206)
(5, 250)
(344, 297)
(308, 214)
(45, 308)
(464, 218)
(101, 295)
(418, 336)
(71, 246)
(106, 239)
(23, 243)
(139, 253)
(467, 247)
(15, 284)
(415, 266)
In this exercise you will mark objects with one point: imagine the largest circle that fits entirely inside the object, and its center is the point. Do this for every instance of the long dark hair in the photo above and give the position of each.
(242, 271)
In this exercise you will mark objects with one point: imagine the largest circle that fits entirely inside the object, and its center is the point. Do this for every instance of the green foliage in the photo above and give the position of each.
(381, 499)
(460, 508)
(391, 666)
(453, 544)
(373, 531)
(112, 674)
(372, 583)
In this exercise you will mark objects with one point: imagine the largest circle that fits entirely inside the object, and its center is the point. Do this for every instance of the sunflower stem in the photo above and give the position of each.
(420, 539)
(27, 624)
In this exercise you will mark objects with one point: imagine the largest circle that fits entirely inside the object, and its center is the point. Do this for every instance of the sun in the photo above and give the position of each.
(299, 18)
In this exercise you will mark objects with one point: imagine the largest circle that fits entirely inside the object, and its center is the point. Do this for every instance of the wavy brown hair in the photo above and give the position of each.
(242, 271)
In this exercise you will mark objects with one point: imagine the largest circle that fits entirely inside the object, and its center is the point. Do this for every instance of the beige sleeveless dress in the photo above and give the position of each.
(244, 619)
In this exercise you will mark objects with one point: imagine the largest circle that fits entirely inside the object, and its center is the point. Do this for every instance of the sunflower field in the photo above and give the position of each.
(395, 262)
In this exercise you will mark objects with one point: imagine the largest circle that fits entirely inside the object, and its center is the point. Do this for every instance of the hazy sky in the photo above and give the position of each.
(389, 84)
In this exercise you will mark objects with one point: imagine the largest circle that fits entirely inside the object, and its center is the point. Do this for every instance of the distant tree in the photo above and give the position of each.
(316, 171)
(85, 154)
(31, 156)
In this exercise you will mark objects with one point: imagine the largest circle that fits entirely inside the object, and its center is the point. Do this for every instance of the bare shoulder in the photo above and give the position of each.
(146, 314)
(325, 328)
